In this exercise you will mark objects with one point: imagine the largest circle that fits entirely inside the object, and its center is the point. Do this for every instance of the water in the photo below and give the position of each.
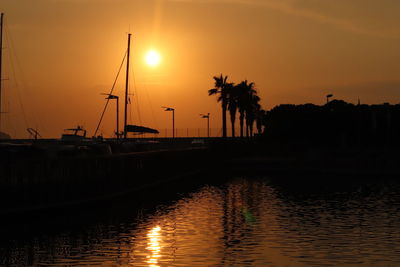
(245, 222)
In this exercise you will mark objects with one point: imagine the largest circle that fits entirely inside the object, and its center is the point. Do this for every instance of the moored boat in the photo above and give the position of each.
(74, 134)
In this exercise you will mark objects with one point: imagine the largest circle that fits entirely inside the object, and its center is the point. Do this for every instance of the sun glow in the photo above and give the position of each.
(152, 58)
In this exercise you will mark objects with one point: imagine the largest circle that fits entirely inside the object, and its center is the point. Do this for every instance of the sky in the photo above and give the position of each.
(60, 55)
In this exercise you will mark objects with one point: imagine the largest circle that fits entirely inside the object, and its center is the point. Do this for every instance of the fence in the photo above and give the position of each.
(190, 132)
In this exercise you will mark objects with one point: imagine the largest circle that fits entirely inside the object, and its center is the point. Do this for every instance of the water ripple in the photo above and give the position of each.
(247, 222)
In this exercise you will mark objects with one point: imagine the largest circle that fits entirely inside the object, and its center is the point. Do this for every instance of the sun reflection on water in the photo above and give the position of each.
(245, 222)
(153, 245)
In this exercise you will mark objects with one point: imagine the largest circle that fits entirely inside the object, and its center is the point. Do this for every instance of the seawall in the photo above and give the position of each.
(39, 183)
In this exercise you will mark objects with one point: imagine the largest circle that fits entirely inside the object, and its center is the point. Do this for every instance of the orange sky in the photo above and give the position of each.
(66, 52)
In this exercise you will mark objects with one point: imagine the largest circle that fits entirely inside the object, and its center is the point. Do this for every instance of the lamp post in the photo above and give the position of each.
(173, 119)
(208, 122)
(110, 96)
(327, 98)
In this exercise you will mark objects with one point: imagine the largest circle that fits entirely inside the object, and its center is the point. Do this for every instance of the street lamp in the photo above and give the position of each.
(208, 122)
(327, 98)
(110, 96)
(173, 119)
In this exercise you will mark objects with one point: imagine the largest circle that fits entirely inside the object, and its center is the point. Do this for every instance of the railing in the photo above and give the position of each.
(191, 133)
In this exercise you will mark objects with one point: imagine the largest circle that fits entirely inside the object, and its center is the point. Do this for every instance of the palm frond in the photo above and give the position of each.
(213, 91)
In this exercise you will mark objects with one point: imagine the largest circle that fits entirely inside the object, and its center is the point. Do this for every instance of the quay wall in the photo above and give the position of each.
(33, 183)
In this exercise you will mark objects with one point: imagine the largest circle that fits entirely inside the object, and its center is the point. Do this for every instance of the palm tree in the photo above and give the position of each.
(241, 90)
(253, 108)
(233, 105)
(244, 90)
(221, 88)
(260, 117)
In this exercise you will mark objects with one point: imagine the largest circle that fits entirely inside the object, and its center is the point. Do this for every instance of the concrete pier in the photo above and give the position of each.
(36, 183)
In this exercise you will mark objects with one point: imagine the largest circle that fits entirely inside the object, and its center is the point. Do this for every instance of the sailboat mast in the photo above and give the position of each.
(1, 59)
(127, 85)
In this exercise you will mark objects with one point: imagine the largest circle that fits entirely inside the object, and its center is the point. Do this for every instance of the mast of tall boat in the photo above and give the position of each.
(1, 60)
(127, 85)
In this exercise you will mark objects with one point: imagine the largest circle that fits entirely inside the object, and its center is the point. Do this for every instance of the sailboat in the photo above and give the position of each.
(74, 134)
(132, 128)
(135, 129)
(2, 134)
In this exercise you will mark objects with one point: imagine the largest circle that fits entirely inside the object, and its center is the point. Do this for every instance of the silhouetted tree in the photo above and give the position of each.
(244, 90)
(221, 89)
(260, 118)
(252, 109)
(243, 98)
(233, 105)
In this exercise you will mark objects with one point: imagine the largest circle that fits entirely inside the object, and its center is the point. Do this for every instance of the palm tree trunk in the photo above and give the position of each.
(233, 125)
(241, 120)
(232, 113)
(224, 118)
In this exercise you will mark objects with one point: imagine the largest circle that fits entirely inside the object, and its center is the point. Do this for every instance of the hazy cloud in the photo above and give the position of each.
(370, 17)
(373, 92)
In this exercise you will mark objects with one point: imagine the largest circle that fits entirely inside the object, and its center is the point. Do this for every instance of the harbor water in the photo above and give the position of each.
(242, 221)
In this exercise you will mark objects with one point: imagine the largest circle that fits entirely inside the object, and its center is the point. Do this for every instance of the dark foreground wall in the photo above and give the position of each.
(34, 183)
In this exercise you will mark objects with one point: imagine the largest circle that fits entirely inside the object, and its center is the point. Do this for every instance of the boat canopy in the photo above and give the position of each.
(140, 129)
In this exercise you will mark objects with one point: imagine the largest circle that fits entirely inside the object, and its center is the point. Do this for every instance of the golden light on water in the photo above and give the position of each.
(154, 246)
(152, 58)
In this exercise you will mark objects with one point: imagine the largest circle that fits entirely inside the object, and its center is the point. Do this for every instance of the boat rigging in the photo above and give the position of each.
(2, 134)
(127, 128)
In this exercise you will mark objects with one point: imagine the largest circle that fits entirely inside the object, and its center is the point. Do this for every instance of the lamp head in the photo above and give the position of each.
(168, 109)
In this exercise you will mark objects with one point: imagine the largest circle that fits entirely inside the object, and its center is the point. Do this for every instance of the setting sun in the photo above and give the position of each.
(152, 58)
